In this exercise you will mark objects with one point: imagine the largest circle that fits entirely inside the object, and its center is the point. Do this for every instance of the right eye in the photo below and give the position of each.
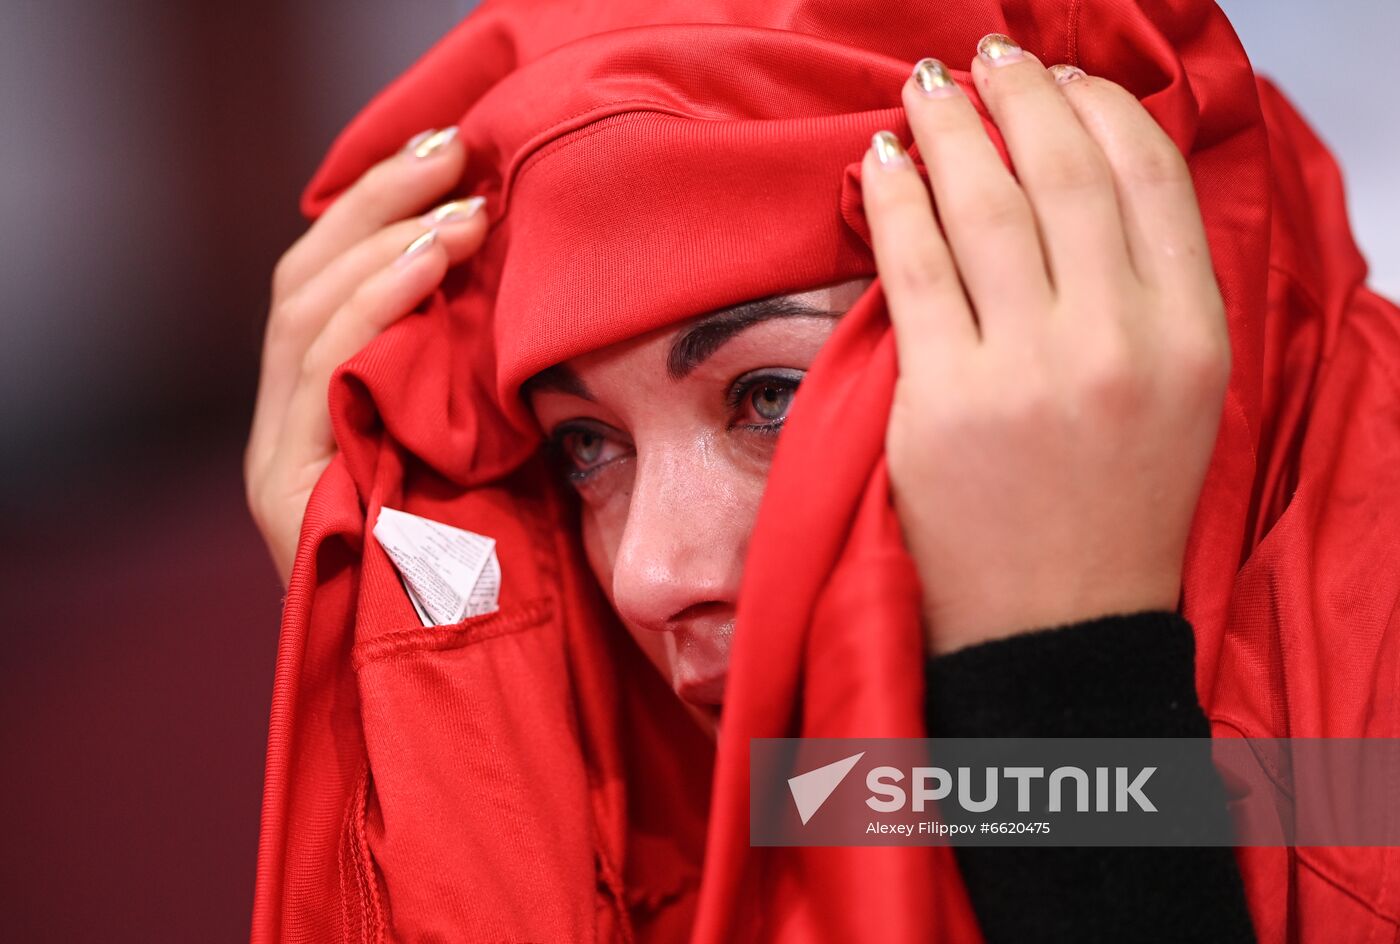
(587, 449)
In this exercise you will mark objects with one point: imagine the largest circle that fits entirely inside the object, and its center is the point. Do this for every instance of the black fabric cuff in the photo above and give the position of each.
(1125, 675)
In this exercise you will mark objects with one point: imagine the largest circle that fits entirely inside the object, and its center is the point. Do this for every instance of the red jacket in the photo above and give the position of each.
(526, 775)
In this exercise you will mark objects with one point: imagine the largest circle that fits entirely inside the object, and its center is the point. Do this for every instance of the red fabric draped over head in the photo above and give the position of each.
(526, 775)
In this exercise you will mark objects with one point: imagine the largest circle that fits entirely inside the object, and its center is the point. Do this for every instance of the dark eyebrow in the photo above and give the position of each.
(558, 377)
(692, 345)
(698, 341)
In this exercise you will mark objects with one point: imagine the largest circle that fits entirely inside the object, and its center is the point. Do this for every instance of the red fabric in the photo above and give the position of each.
(526, 775)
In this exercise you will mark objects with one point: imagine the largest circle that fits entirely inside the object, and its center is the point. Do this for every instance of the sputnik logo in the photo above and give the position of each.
(810, 790)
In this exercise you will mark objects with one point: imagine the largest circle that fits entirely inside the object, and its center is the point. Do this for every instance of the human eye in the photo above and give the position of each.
(760, 399)
(587, 448)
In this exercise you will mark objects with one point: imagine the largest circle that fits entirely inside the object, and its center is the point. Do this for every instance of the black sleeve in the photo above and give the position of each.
(1127, 675)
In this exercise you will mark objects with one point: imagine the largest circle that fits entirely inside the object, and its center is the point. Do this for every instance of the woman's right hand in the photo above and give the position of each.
(371, 258)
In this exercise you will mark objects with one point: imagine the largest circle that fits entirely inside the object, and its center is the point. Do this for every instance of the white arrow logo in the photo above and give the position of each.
(810, 790)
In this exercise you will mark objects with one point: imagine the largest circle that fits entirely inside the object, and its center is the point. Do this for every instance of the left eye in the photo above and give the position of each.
(762, 400)
(770, 401)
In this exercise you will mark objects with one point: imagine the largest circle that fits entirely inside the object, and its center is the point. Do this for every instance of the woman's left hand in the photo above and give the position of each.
(1063, 352)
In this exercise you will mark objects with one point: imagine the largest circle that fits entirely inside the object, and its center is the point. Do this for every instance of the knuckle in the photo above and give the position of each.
(1110, 380)
(287, 311)
(368, 297)
(1072, 170)
(920, 273)
(314, 364)
(1157, 163)
(991, 209)
(287, 320)
(286, 272)
(1205, 362)
(1030, 402)
(1200, 349)
(1028, 411)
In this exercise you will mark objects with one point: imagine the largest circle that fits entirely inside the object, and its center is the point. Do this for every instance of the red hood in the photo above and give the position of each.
(526, 775)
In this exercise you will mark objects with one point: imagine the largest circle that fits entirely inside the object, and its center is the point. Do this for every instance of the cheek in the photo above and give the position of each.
(601, 526)
(600, 547)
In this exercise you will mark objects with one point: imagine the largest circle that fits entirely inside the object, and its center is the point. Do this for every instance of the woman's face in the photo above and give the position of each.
(667, 439)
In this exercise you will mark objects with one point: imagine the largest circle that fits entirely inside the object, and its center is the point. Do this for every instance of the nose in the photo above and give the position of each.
(680, 559)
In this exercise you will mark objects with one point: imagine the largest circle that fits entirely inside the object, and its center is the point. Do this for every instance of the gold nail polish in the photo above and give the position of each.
(429, 142)
(933, 79)
(1063, 73)
(455, 211)
(888, 151)
(998, 49)
(422, 242)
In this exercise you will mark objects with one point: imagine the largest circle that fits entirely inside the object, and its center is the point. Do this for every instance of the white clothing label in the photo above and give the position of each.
(449, 573)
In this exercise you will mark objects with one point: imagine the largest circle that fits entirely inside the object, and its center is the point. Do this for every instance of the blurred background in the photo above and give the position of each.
(150, 163)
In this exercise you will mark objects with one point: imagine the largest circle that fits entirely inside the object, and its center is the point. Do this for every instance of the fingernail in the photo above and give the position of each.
(428, 143)
(933, 79)
(417, 247)
(888, 151)
(454, 212)
(998, 49)
(1065, 73)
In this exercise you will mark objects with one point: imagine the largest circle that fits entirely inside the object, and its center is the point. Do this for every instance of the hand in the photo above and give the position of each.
(366, 262)
(1063, 352)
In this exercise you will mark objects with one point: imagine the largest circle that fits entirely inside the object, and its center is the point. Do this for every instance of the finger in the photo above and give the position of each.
(988, 221)
(305, 436)
(403, 185)
(295, 323)
(1162, 222)
(928, 310)
(1060, 166)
